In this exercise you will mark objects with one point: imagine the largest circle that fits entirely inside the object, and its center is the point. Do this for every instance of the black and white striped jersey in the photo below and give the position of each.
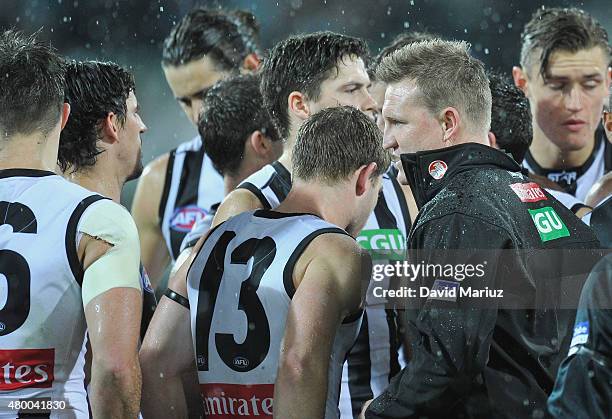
(240, 287)
(578, 181)
(192, 186)
(376, 356)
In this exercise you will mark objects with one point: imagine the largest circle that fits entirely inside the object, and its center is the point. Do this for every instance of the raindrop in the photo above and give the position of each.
(509, 25)
(464, 30)
(382, 35)
(406, 25)
(486, 51)
(412, 2)
(389, 11)
(161, 8)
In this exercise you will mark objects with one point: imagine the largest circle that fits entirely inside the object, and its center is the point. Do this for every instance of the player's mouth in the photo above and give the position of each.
(574, 125)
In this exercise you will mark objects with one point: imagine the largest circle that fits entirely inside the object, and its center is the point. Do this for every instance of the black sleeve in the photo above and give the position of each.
(450, 339)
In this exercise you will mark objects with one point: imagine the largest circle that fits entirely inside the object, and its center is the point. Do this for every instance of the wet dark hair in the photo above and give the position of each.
(335, 142)
(301, 63)
(557, 29)
(510, 116)
(31, 85)
(93, 90)
(401, 40)
(233, 110)
(227, 37)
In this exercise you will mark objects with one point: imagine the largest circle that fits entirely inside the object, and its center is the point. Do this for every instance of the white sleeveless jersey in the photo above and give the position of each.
(377, 355)
(240, 287)
(42, 322)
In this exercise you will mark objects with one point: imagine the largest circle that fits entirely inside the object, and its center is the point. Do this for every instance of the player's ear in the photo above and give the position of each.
(492, 140)
(520, 78)
(260, 144)
(65, 114)
(298, 106)
(251, 63)
(110, 128)
(364, 174)
(607, 124)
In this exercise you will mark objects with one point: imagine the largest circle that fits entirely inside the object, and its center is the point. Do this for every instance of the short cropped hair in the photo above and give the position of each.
(93, 89)
(335, 142)
(446, 75)
(226, 37)
(31, 85)
(233, 110)
(400, 41)
(301, 63)
(557, 29)
(510, 117)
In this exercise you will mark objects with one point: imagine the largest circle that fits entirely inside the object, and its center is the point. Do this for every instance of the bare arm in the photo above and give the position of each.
(115, 371)
(238, 201)
(327, 293)
(167, 354)
(112, 300)
(145, 210)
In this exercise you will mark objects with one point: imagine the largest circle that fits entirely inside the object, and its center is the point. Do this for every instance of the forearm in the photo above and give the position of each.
(163, 395)
(300, 392)
(115, 393)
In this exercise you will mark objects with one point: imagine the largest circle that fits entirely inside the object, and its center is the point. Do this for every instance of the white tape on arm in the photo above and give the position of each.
(120, 265)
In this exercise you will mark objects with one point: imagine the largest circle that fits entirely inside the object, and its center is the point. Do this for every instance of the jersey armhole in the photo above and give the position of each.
(166, 190)
(71, 235)
(255, 191)
(290, 266)
(208, 234)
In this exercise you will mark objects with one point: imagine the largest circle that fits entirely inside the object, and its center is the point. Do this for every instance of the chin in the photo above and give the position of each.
(573, 141)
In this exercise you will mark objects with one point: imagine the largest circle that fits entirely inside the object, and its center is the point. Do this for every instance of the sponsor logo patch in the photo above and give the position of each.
(564, 177)
(549, 224)
(235, 400)
(528, 192)
(26, 368)
(184, 218)
(387, 243)
(580, 337)
(437, 169)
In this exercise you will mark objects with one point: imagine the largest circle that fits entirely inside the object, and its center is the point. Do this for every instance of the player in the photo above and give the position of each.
(179, 188)
(565, 75)
(100, 146)
(69, 257)
(239, 138)
(511, 130)
(302, 75)
(268, 273)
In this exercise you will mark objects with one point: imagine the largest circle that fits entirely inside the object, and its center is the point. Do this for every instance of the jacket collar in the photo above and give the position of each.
(428, 172)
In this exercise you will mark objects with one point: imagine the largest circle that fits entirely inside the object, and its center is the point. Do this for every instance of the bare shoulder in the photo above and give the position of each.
(236, 202)
(599, 191)
(154, 174)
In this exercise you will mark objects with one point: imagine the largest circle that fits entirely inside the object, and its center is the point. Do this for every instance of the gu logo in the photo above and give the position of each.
(386, 243)
(184, 218)
(549, 224)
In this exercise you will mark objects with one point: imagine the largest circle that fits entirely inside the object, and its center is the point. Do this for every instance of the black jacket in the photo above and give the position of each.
(479, 357)
(584, 386)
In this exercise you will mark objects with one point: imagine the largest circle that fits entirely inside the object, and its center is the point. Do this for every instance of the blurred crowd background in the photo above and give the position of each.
(131, 33)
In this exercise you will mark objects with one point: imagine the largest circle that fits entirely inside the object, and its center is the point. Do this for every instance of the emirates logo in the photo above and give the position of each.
(437, 169)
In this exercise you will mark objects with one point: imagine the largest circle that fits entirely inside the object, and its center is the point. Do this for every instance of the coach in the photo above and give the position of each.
(476, 357)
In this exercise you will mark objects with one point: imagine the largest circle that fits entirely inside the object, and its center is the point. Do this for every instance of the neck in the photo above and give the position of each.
(97, 180)
(285, 158)
(230, 182)
(321, 200)
(29, 152)
(549, 156)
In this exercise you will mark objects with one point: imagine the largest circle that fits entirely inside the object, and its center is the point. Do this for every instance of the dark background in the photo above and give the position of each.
(131, 33)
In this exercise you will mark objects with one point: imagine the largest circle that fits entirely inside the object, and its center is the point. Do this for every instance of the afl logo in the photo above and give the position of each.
(184, 218)
(241, 362)
(437, 169)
